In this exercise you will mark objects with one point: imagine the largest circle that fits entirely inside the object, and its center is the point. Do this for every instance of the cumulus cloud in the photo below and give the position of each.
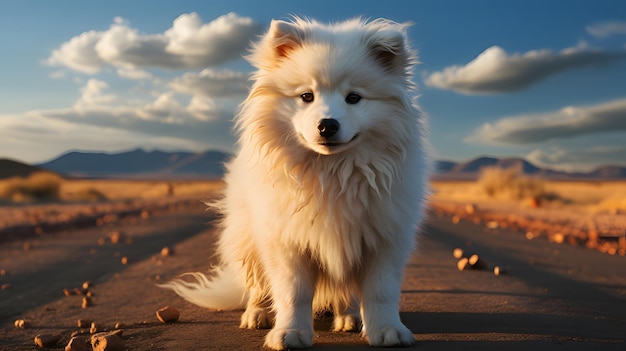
(495, 71)
(93, 95)
(212, 83)
(607, 29)
(188, 44)
(113, 120)
(565, 123)
(578, 159)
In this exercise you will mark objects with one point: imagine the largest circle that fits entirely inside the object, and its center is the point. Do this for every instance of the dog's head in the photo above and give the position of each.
(333, 86)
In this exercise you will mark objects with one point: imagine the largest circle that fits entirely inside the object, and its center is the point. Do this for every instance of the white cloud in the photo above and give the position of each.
(79, 53)
(578, 159)
(100, 120)
(565, 123)
(92, 95)
(187, 44)
(212, 83)
(133, 73)
(606, 29)
(495, 71)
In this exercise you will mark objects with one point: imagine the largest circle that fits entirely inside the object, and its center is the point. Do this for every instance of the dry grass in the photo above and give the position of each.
(37, 187)
(589, 197)
(511, 183)
(49, 187)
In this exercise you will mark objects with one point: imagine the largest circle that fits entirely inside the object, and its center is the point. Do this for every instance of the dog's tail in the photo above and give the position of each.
(222, 290)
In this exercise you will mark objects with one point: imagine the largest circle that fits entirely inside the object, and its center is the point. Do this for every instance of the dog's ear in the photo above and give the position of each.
(388, 49)
(285, 37)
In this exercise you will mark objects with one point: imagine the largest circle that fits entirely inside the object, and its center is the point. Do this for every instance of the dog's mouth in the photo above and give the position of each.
(335, 144)
(329, 147)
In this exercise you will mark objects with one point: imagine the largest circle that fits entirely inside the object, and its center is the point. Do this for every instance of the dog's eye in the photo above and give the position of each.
(353, 98)
(307, 97)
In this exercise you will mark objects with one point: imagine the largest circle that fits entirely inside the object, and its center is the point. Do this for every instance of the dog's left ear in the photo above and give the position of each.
(279, 41)
(285, 37)
(388, 48)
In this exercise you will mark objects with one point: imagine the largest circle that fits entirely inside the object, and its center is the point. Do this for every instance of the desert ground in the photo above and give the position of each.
(563, 286)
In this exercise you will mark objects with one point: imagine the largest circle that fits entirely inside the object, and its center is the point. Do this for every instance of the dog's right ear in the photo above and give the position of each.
(285, 36)
(279, 41)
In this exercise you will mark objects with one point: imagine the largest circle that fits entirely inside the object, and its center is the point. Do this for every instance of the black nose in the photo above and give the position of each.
(328, 127)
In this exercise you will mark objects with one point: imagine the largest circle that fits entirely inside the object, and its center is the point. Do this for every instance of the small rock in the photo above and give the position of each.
(86, 302)
(124, 260)
(497, 270)
(47, 340)
(87, 284)
(166, 251)
(5, 286)
(116, 237)
(168, 314)
(21, 324)
(95, 328)
(462, 264)
(110, 341)
(492, 224)
(457, 253)
(476, 262)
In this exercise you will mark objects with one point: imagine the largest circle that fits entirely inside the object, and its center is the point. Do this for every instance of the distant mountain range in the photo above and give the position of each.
(141, 164)
(447, 170)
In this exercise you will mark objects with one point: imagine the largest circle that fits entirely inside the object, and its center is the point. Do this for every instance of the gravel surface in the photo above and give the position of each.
(552, 297)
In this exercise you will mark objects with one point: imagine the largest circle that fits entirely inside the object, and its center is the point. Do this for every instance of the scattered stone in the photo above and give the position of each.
(497, 270)
(21, 324)
(78, 343)
(87, 284)
(168, 314)
(462, 264)
(166, 251)
(95, 328)
(492, 224)
(124, 260)
(116, 237)
(457, 253)
(3, 272)
(6, 286)
(120, 325)
(456, 219)
(470, 209)
(109, 341)
(86, 302)
(47, 340)
(477, 263)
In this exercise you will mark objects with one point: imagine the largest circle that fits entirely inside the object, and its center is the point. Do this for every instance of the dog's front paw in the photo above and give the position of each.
(391, 337)
(256, 318)
(346, 323)
(283, 339)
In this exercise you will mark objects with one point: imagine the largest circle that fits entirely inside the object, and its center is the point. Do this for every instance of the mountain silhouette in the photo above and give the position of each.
(140, 164)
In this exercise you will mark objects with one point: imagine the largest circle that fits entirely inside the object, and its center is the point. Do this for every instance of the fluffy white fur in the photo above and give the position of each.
(311, 223)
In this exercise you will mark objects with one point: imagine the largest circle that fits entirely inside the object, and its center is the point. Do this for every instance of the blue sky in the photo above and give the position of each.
(544, 80)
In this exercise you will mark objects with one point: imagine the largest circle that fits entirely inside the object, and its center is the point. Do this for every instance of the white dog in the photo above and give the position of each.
(324, 197)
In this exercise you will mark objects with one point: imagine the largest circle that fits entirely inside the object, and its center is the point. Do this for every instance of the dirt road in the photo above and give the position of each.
(554, 297)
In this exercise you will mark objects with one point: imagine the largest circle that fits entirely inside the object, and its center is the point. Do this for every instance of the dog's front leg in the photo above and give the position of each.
(380, 297)
(292, 282)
